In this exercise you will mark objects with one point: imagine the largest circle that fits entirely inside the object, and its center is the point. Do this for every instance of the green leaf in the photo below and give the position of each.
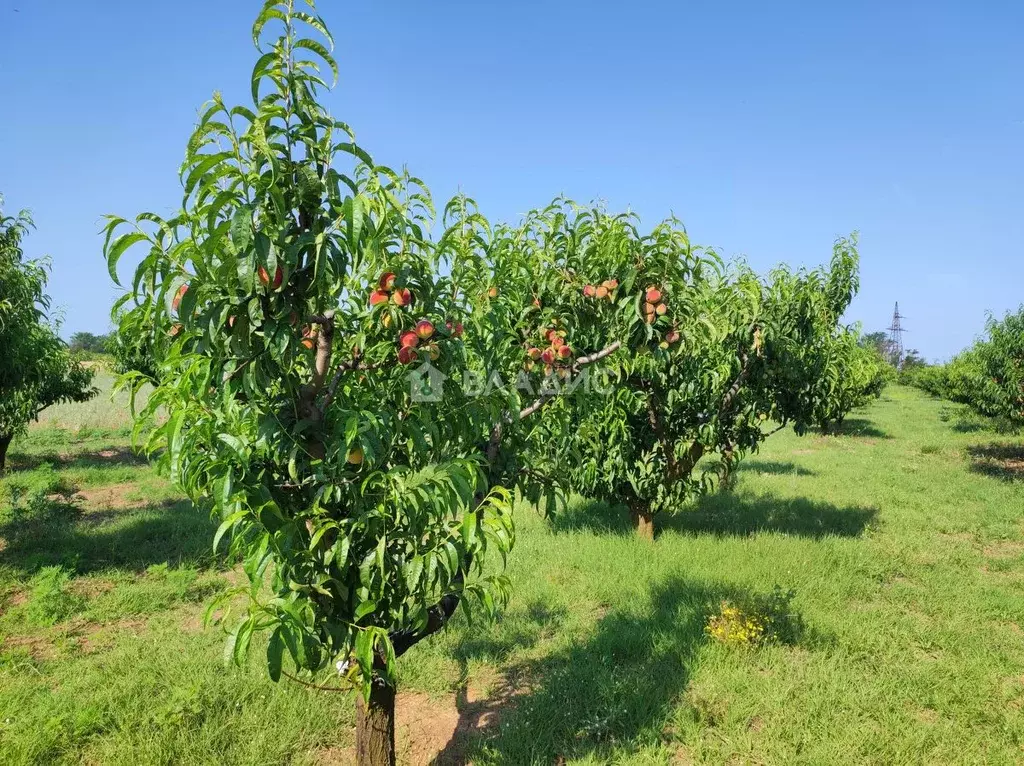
(469, 529)
(234, 442)
(227, 524)
(270, 11)
(317, 23)
(241, 228)
(320, 50)
(118, 248)
(174, 444)
(275, 655)
(364, 609)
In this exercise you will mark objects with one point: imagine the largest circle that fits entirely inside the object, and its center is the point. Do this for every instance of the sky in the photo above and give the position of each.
(770, 129)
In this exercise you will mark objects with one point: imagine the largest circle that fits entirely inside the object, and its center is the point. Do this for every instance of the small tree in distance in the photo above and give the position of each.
(37, 369)
(89, 343)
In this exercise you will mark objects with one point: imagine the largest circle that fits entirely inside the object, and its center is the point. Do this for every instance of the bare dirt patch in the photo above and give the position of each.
(1004, 549)
(927, 715)
(440, 731)
(424, 727)
(39, 648)
(682, 757)
(443, 734)
(12, 600)
(113, 497)
(104, 456)
(99, 504)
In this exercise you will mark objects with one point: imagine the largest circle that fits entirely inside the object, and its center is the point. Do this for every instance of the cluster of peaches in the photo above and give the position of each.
(386, 292)
(654, 307)
(422, 336)
(556, 355)
(602, 291)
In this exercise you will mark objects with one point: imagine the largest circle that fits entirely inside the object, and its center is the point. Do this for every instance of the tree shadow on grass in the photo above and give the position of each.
(118, 455)
(732, 515)
(964, 420)
(1000, 461)
(511, 631)
(860, 427)
(178, 534)
(615, 690)
(728, 514)
(775, 468)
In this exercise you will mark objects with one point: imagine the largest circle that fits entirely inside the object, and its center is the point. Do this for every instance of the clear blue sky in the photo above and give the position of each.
(769, 128)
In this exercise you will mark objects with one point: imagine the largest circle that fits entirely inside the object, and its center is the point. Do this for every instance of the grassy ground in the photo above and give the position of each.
(902, 538)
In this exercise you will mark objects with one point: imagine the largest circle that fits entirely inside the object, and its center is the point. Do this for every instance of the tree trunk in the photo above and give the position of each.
(5, 442)
(643, 520)
(375, 726)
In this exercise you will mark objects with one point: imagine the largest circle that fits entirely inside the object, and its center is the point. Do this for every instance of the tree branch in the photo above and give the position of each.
(348, 365)
(494, 443)
(324, 342)
(307, 397)
(437, 617)
(580, 363)
(737, 384)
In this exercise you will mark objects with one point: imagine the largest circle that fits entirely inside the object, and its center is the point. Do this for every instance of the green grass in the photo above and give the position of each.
(902, 538)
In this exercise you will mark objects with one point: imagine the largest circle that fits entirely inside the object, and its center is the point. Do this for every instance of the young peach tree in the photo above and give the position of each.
(595, 290)
(36, 367)
(854, 375)
(818, 371)
(291, 305)
(1000, 391)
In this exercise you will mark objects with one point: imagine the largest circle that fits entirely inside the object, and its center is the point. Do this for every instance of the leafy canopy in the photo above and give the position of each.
(284, 307)
(37, 369)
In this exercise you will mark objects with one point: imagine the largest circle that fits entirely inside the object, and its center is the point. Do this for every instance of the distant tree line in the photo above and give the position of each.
(89, 343)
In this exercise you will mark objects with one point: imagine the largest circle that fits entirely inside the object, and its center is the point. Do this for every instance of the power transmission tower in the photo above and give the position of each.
(896, 338)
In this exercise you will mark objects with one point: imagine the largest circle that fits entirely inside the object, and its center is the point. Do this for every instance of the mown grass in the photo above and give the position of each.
(902, 538)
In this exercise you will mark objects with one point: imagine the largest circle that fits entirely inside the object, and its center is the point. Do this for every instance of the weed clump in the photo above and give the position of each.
(50, 600)
(757, 620)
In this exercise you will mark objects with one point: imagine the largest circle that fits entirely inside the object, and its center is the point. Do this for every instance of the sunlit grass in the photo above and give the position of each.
(902, 539)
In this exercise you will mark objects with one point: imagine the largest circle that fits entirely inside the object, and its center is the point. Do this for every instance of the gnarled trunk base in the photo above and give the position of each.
(643, 521)
(375, 726)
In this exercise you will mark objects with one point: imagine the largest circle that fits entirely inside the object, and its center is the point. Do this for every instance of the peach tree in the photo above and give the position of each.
(816, 370)
(591, 288)
(1000, 390)
(534, 338)
(698, 379)
(854, 375)
(290, 308)
(36, 367)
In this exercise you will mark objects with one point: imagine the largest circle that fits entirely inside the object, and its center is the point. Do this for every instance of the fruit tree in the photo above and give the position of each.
(292, 303)
(37, 369)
